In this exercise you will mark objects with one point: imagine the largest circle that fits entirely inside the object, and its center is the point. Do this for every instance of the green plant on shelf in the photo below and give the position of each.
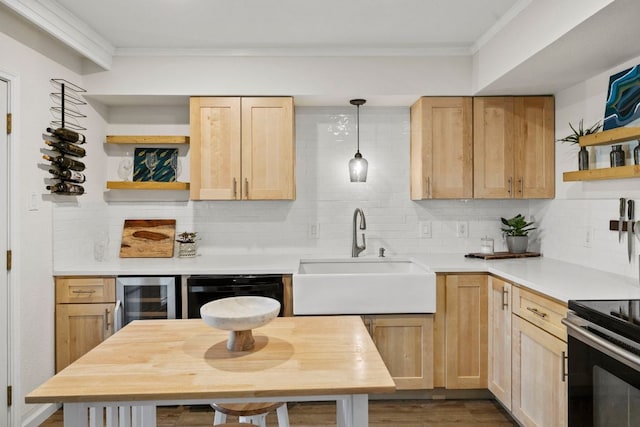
(574, 138)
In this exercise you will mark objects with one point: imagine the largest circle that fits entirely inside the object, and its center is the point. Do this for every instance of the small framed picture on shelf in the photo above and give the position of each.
(155, 164)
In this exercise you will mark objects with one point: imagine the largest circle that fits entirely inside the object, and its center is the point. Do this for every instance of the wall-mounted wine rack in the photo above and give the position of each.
(64, 138)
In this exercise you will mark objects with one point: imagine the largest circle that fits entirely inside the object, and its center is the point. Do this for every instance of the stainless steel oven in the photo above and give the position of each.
(604, 363)
(204, 288)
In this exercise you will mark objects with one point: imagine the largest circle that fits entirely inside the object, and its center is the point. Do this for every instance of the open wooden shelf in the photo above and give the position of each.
(146, 185)
(147, 139)
(609, 137)
(620, 172)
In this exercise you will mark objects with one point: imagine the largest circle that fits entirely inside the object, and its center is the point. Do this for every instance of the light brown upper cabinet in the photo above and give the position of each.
(442, 148)
(513, 151)
(242, 148)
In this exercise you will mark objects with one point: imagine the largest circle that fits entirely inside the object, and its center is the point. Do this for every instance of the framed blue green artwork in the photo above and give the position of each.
(155, 164)
(623, 99)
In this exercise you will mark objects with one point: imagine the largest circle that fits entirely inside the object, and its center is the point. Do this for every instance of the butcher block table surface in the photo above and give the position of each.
(161, 362)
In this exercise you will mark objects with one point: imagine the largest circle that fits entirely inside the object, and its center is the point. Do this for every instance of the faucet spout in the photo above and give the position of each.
(355, 248)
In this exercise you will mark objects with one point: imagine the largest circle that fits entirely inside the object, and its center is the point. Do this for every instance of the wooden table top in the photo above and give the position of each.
(186, 359)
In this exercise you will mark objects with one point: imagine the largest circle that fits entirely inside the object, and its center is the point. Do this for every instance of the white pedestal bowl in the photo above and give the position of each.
(240, 315)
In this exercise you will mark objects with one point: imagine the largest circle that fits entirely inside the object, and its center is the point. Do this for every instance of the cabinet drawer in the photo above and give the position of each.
(85, 289)
(541, 311)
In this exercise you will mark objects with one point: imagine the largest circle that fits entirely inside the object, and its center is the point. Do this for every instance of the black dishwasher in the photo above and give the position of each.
(202, 289)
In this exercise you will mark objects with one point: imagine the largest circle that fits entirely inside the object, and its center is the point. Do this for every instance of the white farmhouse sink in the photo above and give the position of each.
(363, 286)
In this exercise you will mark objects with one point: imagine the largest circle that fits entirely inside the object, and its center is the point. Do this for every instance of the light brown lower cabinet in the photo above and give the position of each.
(84, 315)
(460, 331)
(539, 389)
(405, 343)
(499, 373)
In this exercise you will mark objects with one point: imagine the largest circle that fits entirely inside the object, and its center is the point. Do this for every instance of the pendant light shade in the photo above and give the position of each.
(358, 165)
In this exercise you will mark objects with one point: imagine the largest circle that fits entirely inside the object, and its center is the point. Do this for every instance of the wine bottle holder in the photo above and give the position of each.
(66, 111)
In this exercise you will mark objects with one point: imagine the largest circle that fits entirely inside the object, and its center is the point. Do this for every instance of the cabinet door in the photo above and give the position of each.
(405, 343)
(493, 148)
(442, 148)
(215, 148)
(535, 147)
(499, 375)
(79, 328)
(539, 390)
(466, 331)
(268, 151)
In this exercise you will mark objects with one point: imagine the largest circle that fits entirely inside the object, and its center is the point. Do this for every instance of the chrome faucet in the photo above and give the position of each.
(355, 249)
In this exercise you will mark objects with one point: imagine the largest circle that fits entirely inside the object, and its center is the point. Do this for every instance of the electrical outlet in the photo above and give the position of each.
(314, 231)
(462, 229)
(424, 229)
(588, 237)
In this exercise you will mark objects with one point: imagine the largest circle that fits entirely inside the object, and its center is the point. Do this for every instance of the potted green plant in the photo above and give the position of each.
(574, 138)
(517, 230)
(187, 244)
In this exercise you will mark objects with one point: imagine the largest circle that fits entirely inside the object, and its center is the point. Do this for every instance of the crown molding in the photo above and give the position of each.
(283, 51)
(66, 27)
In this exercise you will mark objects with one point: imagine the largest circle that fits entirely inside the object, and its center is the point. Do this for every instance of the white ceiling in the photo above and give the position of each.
(304, 25)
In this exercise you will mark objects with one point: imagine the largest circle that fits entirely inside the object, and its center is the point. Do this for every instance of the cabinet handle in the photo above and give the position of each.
(83, 291)
(235, 188)
(505, 298)
(521, 185)
(428, 187)
(510, 181)
(537, 312)
(246, 187)
(107, 324)
(565, 360)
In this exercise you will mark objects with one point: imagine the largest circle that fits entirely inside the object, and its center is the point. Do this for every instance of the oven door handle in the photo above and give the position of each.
(615, 352)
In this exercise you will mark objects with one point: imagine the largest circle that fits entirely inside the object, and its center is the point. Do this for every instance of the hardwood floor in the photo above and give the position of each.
(406, 413)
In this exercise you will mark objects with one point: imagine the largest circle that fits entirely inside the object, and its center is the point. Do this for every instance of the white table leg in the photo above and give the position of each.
(75, 414)
(353, 411)
(360, 407)
(143, 416)
(344, 412)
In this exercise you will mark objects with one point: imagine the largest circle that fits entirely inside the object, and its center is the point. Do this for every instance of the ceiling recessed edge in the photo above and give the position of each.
(66, 27)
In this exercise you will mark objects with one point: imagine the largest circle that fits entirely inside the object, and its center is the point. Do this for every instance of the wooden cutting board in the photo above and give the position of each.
(148, 238)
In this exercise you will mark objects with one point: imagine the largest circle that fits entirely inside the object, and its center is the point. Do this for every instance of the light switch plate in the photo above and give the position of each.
(462, 229)
(424, 229)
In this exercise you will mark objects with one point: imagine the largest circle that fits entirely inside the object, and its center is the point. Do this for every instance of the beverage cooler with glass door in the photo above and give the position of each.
(146, 297)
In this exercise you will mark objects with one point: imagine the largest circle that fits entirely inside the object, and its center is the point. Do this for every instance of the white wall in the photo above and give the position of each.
(31, 276)
(582, 210)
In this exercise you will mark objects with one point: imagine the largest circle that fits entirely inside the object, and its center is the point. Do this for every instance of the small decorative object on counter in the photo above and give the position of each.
(574, 138)
(517, 230)
(486, 245)
(187, 244)
(616, 156)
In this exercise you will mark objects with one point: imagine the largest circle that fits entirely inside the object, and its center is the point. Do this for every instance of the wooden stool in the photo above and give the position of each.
(251, 412)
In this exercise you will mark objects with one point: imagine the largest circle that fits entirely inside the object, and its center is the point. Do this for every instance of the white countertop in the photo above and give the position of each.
(557, 279)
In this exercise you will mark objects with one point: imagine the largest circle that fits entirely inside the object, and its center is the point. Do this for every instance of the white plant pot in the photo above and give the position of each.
(186, 249)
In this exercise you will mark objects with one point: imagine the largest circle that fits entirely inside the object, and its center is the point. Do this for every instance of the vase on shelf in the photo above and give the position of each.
(583, 159)
(636, 154)
(616, 156)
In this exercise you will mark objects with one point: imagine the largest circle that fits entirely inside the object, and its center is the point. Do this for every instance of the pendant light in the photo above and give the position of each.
(358, 165)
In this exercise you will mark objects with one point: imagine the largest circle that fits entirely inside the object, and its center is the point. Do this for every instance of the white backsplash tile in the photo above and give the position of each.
(326, 198)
